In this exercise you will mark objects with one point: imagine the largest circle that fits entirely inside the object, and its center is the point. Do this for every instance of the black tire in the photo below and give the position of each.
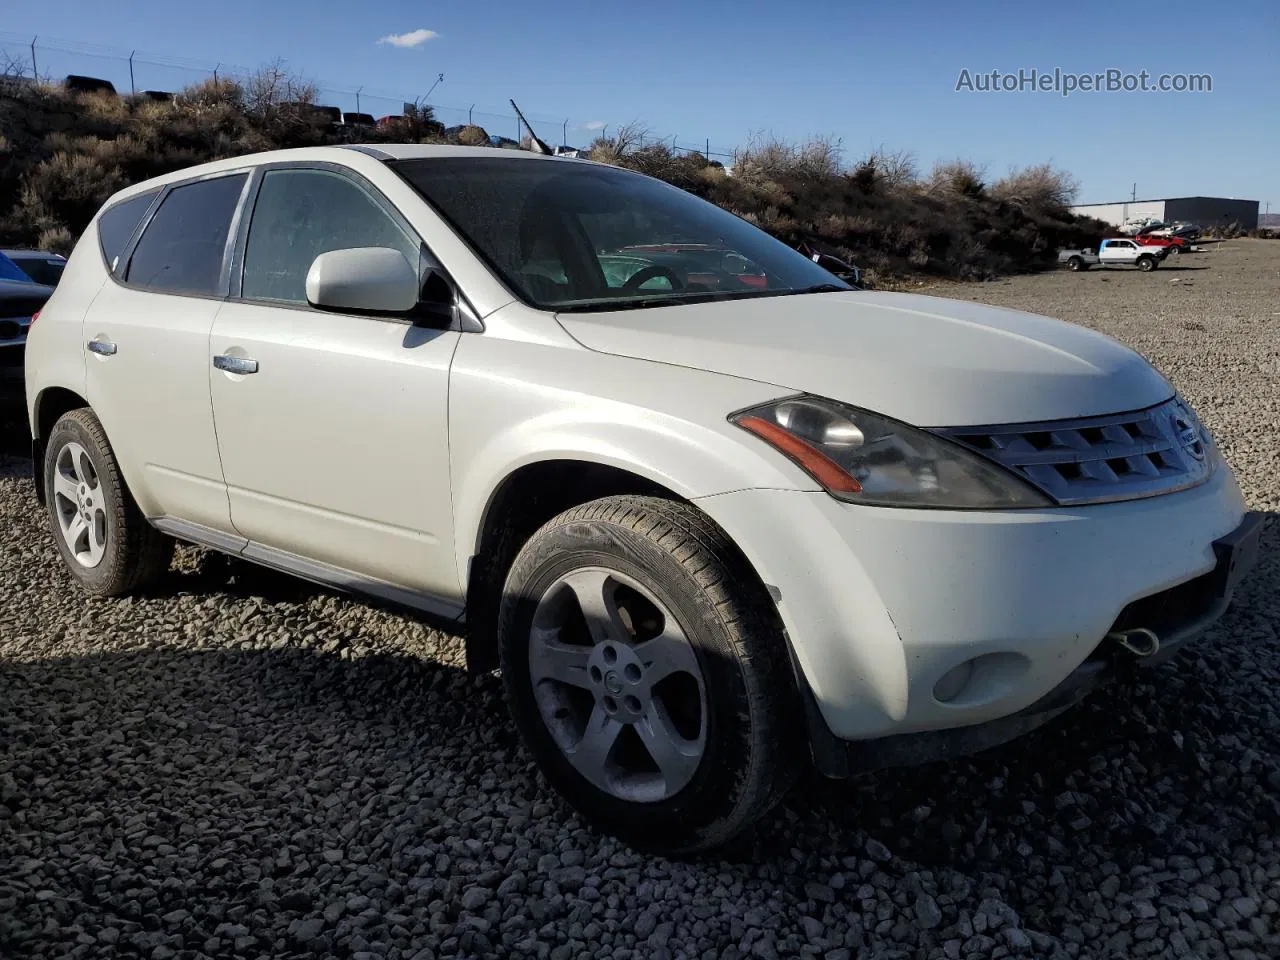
(1075, 263)
(136, 553)
(752, 728)
(1175, 250)
(1147, 263)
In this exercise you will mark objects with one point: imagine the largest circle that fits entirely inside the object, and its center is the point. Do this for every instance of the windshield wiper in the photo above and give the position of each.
(824, 288)
(642, 303)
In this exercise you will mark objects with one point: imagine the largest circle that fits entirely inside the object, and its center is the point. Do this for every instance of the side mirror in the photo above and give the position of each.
(363, 280)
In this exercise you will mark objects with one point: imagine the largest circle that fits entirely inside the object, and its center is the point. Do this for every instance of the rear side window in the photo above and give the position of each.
(301, 214)
(45, 271)
(182, 249)
(116, 225)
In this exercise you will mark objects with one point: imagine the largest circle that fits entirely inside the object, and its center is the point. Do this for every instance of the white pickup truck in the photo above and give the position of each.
(1115, 253)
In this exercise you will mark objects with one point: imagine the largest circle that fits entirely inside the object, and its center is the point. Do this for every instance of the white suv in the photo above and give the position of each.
(713, 512)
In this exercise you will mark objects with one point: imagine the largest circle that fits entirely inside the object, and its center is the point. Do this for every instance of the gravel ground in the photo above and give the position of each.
(243, 765)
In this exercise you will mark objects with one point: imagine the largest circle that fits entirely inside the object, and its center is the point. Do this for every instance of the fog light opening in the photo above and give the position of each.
(953, 682)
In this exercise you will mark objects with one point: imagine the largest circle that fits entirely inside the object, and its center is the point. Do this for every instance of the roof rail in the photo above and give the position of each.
(367, 150)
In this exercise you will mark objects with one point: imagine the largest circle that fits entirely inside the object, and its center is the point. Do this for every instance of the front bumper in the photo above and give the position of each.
(1177, 616)
(880, 604)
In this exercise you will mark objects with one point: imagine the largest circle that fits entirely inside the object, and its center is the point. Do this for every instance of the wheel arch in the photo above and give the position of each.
(528, 496)
(51, 404)
(533, 493)
(524, 499)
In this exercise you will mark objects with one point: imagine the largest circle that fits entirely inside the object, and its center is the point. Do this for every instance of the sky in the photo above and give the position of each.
(873, 75)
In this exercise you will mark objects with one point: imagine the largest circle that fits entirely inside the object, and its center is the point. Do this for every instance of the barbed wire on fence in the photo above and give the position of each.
(136, 71)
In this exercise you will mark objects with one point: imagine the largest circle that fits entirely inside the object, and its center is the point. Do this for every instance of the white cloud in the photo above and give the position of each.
(595, 125)
(414, 38)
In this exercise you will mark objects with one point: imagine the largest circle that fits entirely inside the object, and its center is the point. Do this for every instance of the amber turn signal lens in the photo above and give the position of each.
(813, 461)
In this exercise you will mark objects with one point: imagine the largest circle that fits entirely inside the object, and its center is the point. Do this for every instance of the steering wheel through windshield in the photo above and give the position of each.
(652, 272)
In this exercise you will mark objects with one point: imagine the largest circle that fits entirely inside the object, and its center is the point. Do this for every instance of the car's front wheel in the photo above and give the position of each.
(647, 673)
(103, 537)
(1146, 263)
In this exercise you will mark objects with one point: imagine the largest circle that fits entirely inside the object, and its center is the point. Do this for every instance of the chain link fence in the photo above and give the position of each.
(135, 72)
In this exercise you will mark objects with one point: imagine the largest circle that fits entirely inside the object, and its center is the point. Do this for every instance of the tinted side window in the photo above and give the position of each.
(301, 214)
(116, 225)
(48, 272)
(182, 248)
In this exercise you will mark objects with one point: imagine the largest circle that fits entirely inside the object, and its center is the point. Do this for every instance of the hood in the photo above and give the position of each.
(928, 361)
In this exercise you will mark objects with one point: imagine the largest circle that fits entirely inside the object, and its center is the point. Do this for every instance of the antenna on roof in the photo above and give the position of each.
(536, 145)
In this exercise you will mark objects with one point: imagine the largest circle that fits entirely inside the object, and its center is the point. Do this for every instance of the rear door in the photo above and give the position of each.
(147, 337)
(335, 446)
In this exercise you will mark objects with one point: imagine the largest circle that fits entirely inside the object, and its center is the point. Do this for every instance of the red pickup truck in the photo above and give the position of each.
(1175, 244)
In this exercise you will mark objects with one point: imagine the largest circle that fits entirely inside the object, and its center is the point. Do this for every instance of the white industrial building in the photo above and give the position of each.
(1205, 211)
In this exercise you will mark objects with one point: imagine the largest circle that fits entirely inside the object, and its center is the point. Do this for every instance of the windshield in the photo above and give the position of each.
(575, 236)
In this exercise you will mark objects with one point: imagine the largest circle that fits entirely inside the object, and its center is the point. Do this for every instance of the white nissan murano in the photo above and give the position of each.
(713, 511)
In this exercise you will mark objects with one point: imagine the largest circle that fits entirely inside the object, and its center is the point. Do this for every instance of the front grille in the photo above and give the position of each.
(12, 330)
(1100, 459)
(20, 306)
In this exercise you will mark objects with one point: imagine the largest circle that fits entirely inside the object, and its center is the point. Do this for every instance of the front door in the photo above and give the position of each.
(332, 428)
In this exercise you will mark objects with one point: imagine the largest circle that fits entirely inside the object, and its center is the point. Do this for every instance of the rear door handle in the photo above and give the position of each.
(103, 348)
(235, 364)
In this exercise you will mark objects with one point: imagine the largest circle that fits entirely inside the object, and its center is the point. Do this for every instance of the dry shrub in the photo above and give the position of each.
(473, 136)
(66, 191)
(959, 177)
(769, 158)
(1041, 184)
(56, 240)
(616, 149)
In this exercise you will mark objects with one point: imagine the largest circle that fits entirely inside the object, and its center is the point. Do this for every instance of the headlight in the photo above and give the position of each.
(862, 457)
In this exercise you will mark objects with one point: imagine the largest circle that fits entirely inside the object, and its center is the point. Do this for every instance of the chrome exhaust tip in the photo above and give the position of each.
(1140, 641)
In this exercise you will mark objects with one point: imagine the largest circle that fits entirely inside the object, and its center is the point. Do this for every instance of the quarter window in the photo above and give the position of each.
(182, 249)
(301, 214)
(117, 223)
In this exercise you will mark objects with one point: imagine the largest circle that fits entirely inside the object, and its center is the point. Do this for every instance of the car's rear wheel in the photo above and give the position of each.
(1174, 250)
(1076, 263)
(647, 673)
(105, 541)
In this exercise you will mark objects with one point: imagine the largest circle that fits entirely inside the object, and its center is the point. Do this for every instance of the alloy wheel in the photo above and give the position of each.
(79, 505)
(618, 685)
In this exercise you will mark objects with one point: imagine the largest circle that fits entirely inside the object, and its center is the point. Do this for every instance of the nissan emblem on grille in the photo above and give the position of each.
(1188, 434)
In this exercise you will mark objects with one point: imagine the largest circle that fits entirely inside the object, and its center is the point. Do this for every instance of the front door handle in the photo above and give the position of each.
(103, 348)
(235, 364)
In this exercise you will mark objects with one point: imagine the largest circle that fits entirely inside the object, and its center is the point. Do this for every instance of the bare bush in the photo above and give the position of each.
(895, 168)
(629, 138)
(213, 92)
(473, 136)
(960, 177)
(56, 240)
(1041, 184)
(273, 87)
(769, 157)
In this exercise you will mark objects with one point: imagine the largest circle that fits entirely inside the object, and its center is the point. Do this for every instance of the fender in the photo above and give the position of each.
(688, 460)
(514, 401)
